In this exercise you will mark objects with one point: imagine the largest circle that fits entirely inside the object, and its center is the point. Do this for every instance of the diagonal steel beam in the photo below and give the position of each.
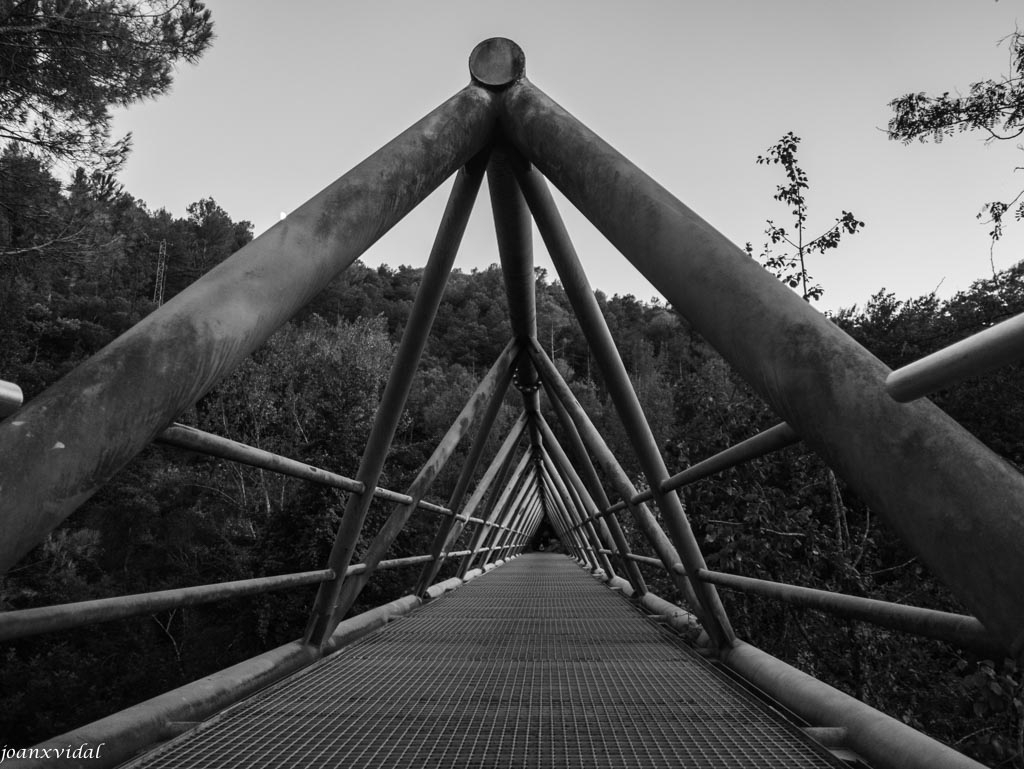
(599, 338)
(492, 387)
(70, 440)
(450, 528)
(609, 525)
(494, 481)
(952, 500)
(557, 388)
(414, 339)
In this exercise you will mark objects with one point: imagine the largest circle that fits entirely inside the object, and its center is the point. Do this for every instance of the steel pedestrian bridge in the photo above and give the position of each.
(535, 664)
(540, 661)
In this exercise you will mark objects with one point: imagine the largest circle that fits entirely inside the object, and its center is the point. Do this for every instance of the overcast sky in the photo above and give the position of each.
(292, 95)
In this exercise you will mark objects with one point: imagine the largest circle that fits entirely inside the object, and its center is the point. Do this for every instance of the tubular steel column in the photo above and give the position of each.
(592, 322)
(496, 483)
(491, 387)
(450, 528)
(610, 527)
(953, 501)
(65, 444)
(389, 411)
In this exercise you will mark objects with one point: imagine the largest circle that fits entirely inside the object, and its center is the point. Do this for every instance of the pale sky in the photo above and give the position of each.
(292, 95)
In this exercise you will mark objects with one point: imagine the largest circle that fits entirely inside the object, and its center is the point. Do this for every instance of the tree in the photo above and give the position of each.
(993, 106)
(64, 63)
(790, 266)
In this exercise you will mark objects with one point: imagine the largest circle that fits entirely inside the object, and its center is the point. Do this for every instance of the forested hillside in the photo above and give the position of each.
(80, 266)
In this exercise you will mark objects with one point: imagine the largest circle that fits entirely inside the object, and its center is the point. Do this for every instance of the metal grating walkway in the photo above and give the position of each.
(534, 664)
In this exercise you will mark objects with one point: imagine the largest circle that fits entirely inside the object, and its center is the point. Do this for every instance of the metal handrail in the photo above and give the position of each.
(48, 619)
(997, 346)
(194, 439)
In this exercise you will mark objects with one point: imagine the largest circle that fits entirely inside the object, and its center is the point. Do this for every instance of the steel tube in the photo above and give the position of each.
(599, 338)
(586, 505)
(496, 380)
(72, 438)
(324, 615)
(883, 741)
(953, 501)
(49, 619)
(193, 439)
(997, 346)
(514, 233)
(562, 503)
(448, 532)
(497, 485)
(557, 388)
(772, 439)
(11, 398)
(957, 629)
(611, 529)
(645, 559)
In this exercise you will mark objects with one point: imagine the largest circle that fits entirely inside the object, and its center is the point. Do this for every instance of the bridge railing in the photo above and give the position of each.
(47, 619)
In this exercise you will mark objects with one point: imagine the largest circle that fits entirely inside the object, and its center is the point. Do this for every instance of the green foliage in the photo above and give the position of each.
(994, 106)
(64, 63)
(790, 265)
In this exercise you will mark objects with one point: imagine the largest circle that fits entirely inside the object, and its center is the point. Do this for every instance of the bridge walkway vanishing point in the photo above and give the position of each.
(534, 664)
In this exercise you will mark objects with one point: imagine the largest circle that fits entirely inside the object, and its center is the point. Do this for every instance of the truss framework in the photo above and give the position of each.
(958, 505)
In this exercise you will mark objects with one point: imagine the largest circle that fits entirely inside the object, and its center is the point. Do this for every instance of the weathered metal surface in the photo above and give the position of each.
(883, 741)
(963, 631)
(514, 231)
(954, 502)
(772, 439)
(65, 444)
(985, 351)
(392, 402)
(11, 398)
(49, 619)
(497, 63)
(602, 346)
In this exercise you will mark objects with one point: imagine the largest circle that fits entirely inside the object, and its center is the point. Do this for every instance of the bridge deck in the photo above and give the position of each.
(534, 664)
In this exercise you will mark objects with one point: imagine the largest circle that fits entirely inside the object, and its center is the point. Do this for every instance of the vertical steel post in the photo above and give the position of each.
(389, 411)
(592, 322)
(450, 528)
(952, 500)
(492, 386)
(514, 231)
(65, 444)
(610, 525)
(494, 480)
